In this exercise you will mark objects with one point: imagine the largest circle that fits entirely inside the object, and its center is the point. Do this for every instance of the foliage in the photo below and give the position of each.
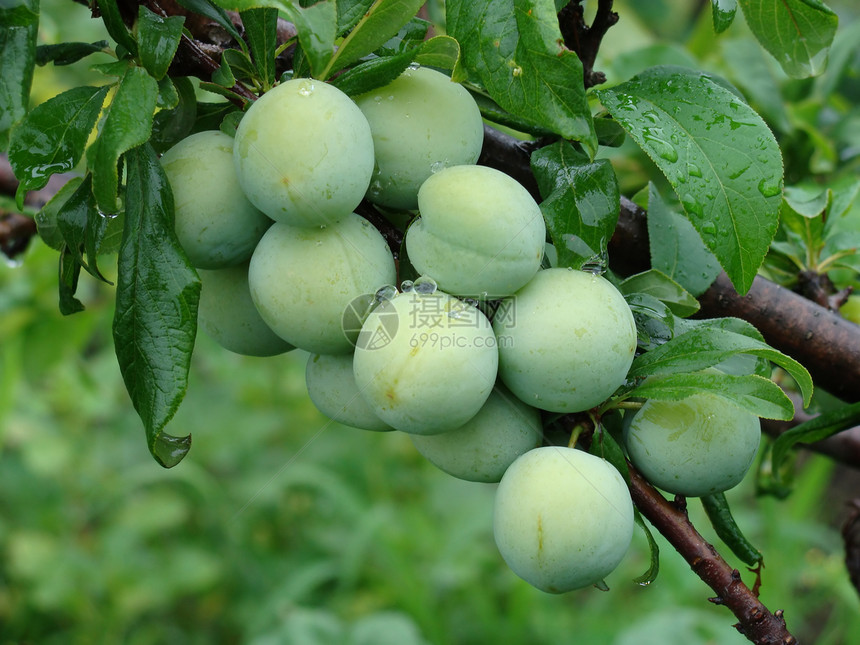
(743, 146)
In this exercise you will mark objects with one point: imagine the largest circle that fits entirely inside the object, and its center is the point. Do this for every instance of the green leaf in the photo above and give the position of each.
(317, 29)
(665, 289)
(171, 126)
(52, 138)
(215, 14)
(19, 25)
(115, 26)
(238, 66)
(261, 30)
(605, 446)
(410, 35)
(157, 40)
(704, 346)
(440, 51)
(155, 323)
(723, 12)
(67, 53)
(372, 74)
(70, 271)
(751, 392)
(382, 21)
(676, 248)
(349, 12)
(797, 33)
(211, 115)
(717, 154)
(580, 203)
(128, 124)
(654, 550)
(46, 218)
(514, 48)
(655, 322)
(717, 508)
(83, 227)
(825, 425)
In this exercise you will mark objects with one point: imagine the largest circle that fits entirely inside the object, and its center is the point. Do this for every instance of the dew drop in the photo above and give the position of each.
(413, 66)
(406, 286)
(436, 166)
(769, 188)
(386, 292)
(693, 170)
(306, 89)
(424, 285)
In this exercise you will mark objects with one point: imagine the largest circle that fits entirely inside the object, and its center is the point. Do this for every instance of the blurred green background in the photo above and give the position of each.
(283, 527)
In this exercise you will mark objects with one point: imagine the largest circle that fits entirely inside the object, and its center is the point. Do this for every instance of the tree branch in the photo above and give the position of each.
(755, 621)
(585, 40)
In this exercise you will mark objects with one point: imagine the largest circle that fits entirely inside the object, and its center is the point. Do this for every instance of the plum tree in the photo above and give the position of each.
(421, 353)
(314, 166)
(563, 519)
(480, 234)
(570, 340)
(305, 305)
(228, 315)
(482, 449)
(697, 446)
(216, 224)
(421, 123)
(331, 387)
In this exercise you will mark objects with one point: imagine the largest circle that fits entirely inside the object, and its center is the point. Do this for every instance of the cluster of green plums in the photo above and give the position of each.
(268, 218)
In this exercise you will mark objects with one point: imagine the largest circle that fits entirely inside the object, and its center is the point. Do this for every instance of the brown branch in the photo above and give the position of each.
(755, 621)
(851, 536)
(585, 40)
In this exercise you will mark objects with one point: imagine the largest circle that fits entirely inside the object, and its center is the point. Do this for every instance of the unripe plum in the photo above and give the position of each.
(304, 153)
(697, 446)
(215, 223)
(426, 362)
(303, 279)
(421, 123)
(483, 448)
(480, 233)
(227, 314)
(563, 518)
(332, 389)
(566, 340)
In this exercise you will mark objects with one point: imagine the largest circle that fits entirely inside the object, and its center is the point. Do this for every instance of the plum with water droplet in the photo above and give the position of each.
(563, 519)
(215, 223)
(304, 153)
(480, 234)
(424, 123)
(566, 340)
(697, 446)
(303, 279)
(426, 362)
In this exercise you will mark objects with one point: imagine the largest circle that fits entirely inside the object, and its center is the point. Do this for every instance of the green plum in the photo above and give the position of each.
(425, 362)
(227, 314)
(483, 448)
(566, 340)
(421, 122)
(563, 519)
(304, 153)
(332, 389)
(215, 223)
(303, 279)
(480, 233)
(697, 446)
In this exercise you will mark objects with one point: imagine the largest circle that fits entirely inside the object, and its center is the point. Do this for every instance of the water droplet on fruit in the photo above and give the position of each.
(436, 166)
(386, 292)
(306, 89)
(596, 264)
(424, 285)
(377, 99)
(406, 286)
(414, 66)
